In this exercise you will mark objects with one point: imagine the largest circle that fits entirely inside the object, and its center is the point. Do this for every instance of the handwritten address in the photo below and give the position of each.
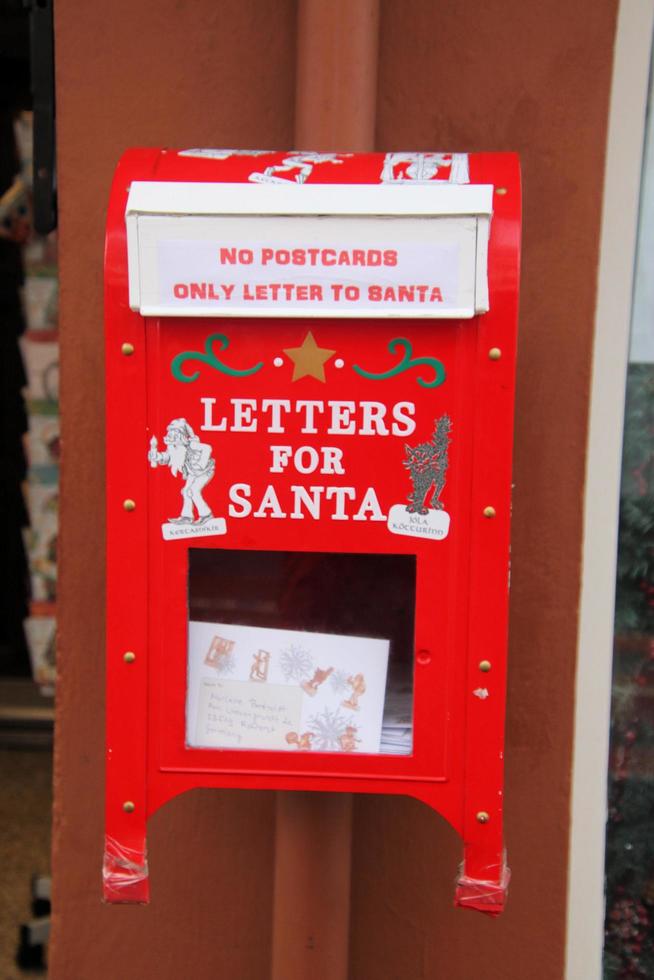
(244, 714)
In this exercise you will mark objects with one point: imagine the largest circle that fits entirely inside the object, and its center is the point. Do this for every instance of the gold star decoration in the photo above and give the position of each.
(309, 359)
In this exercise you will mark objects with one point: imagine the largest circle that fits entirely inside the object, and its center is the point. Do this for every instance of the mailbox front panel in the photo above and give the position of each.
(308, 515)
(336, 462)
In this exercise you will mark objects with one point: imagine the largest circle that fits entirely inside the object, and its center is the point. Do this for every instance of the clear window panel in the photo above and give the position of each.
(300, 651)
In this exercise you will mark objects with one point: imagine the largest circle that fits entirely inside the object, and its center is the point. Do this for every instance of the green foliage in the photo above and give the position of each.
(629, 935)
(634, 609)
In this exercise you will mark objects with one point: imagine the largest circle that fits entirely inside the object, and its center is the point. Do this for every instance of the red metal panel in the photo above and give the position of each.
(461, 581)
(125, 861)
(489, 552)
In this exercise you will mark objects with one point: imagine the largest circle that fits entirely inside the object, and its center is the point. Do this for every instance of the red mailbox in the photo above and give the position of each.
(310, 388)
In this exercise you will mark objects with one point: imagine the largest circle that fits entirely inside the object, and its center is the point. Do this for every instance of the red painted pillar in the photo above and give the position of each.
(336, 75)
(336, 87)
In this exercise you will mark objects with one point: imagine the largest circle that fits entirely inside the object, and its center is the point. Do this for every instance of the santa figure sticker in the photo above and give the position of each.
(190, 459)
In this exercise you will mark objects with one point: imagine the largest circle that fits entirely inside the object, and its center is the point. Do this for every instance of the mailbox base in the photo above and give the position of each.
(482, 883)
(488, 897)
(125, 873)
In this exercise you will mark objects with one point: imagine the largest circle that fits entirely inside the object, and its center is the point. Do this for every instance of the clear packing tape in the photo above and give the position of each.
(124, 873)
(483, 895)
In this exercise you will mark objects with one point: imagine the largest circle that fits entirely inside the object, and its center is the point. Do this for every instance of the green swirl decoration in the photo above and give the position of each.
(407, 361)
(210, 358)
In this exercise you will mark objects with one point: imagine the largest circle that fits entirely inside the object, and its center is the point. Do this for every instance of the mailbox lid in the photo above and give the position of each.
(277, 230)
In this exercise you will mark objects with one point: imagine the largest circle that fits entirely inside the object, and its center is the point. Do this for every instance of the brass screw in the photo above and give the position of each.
(489, 512)
(483, 817)
(501, 190)
(129, 505)
(128, 806)
(484, 666)
(129, 657)
(127, 349)
(494, 354)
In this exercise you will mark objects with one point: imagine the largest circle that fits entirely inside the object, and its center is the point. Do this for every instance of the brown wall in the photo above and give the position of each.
(460, 75)
(130, 73)
(531, 77)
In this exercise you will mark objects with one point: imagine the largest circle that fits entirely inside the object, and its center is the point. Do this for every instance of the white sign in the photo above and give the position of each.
(308, 265)
(345, 251)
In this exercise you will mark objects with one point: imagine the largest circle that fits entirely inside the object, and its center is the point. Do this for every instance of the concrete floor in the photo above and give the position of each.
(25, 816)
